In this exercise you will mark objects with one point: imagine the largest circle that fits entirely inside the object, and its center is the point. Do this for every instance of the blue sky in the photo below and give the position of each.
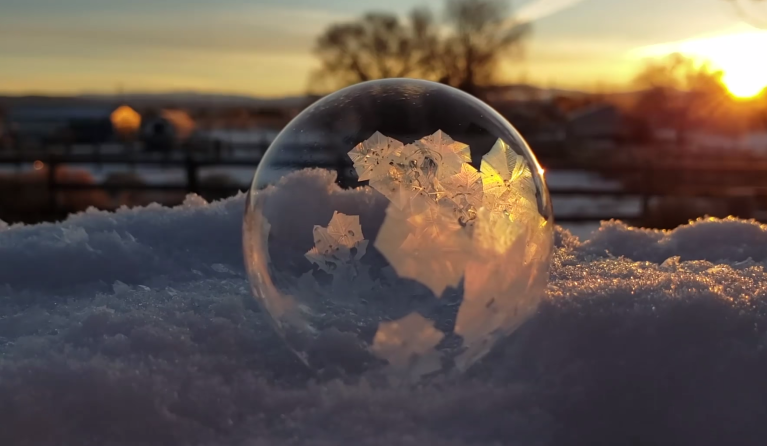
(263, 47)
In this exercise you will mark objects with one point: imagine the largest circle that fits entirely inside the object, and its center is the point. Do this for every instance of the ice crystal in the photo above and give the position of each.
(448, 155)
(507, 181)
(369, 155)
(435, 195)
(338, 244)
(425, 242)
(447, 222)
(408, 344)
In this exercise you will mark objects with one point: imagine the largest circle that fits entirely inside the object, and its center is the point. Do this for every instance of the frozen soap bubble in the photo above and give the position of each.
(398, 225)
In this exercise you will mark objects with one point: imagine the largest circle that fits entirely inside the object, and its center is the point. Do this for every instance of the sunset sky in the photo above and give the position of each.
(263, 47)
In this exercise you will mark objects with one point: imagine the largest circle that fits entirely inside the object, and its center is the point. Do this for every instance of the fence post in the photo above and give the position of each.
(52, 202)
(129, 148)
(19, 153)
(192, 186)
(646, 192)
(97, 156)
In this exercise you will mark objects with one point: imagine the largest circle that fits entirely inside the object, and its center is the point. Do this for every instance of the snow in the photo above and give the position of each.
(584, 231)
(137, 327)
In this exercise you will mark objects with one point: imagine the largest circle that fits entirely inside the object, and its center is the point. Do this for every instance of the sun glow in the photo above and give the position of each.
(737, 53)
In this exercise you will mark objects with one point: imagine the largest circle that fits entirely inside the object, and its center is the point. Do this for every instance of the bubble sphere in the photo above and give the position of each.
(400, 226)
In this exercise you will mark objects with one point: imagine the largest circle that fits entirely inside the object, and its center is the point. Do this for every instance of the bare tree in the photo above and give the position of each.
(483, 33)
(377, 46)
(681, 93)
(466, 54)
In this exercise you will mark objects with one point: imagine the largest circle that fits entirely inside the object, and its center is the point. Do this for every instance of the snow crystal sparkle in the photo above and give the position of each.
(428, 240)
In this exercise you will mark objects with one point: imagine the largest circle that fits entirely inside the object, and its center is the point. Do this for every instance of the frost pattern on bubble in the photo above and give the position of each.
(424, 242)
(465, 190)
(338, 243)
(447, 224)
(447, 221)
(408, 344)
(447, 154)
(507, 182)
(370, 154)
(338, 249)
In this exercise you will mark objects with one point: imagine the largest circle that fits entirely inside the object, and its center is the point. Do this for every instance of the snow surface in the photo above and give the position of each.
(137, 328)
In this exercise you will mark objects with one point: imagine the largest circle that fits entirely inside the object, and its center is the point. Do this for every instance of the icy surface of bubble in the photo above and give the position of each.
(431, 240)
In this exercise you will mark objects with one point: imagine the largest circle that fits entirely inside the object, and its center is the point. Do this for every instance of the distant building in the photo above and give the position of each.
(601, 125)
(595, 122)
(70, 124)
(167, 129)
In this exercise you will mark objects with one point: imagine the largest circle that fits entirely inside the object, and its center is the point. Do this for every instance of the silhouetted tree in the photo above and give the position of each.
(465, 53)
(483, 32)
(679, 93)
(377, 46)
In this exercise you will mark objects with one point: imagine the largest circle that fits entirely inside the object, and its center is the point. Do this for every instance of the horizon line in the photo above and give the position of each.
(245, 95)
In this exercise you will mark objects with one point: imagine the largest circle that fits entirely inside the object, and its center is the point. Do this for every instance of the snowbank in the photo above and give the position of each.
(137, 328)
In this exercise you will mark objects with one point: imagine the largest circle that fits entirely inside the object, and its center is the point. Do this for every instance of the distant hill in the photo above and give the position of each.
(530, 92)
(194, 98)
(173, 99)
(513, 92)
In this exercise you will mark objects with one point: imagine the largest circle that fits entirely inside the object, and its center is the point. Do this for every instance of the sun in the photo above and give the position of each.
(743, 84)
(737, 55)
(735, 52)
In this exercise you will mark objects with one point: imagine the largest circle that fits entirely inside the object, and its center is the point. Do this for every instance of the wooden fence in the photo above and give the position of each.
(644, 181)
